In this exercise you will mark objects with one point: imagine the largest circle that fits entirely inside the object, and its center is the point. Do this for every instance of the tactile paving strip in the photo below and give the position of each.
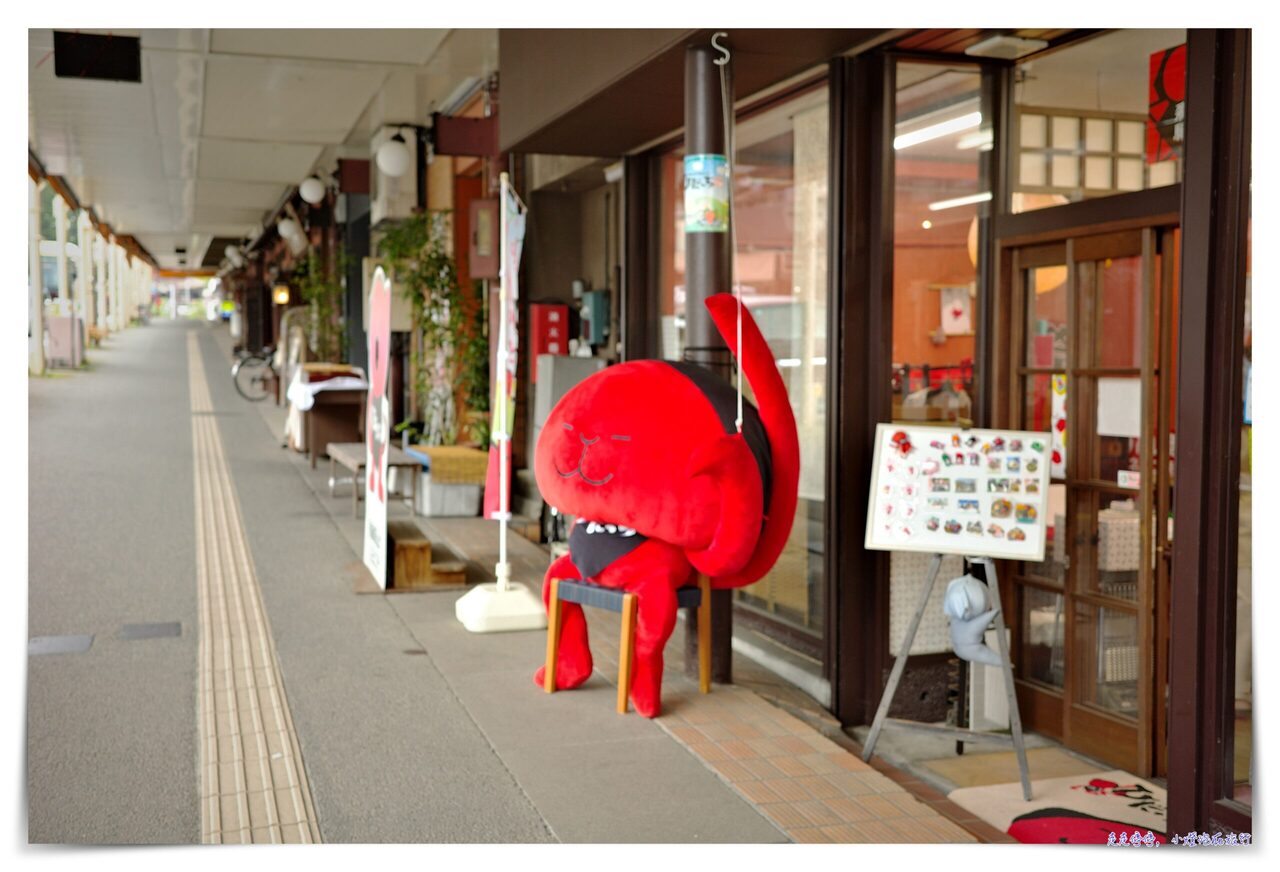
(253, 785)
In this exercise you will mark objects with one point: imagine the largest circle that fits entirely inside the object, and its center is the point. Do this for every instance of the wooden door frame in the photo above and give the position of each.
(1072, 245)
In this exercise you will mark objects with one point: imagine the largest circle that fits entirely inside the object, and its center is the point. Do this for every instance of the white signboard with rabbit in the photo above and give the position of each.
(946, 490)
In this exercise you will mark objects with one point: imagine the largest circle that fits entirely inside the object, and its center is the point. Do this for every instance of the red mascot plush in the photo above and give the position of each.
(647, 456)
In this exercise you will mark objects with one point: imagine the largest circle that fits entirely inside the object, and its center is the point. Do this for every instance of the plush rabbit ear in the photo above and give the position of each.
(723, 476)
(757, 364)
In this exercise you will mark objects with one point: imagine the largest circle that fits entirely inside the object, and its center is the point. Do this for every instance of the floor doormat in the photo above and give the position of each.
(979, 769)
(1081, 809)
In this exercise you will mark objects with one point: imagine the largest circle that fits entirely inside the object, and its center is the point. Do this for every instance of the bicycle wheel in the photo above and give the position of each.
(252, 376)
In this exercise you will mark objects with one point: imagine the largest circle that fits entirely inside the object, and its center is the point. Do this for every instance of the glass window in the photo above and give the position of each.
(1043, 633)
(1112, 107)
(780, 199)
(940, 142)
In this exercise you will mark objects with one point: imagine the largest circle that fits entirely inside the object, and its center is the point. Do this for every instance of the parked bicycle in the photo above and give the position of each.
(254, 374)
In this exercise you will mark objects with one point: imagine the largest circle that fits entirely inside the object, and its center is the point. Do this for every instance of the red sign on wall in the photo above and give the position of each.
(1166, 105)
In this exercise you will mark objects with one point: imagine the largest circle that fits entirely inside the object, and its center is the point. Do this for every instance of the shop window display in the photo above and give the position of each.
(940, 141)
(780, 200)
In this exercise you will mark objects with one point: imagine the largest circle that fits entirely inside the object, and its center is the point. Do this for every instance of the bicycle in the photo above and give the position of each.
(254, 374)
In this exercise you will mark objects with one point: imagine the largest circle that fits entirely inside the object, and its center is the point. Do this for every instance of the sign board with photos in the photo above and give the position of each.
(944, 490)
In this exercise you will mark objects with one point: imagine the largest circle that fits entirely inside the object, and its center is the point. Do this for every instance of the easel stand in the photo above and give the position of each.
(1015, 720)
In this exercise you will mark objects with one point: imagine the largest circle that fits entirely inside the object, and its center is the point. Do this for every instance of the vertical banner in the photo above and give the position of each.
(377, 429)
(497, 491)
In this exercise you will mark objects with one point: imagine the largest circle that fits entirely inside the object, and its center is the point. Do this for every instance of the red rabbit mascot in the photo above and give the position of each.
(647, 456)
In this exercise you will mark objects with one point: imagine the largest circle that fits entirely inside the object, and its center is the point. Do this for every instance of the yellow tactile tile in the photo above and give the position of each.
(253, 785)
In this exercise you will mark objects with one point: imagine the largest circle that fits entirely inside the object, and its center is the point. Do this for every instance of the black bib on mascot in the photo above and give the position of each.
(646, 455)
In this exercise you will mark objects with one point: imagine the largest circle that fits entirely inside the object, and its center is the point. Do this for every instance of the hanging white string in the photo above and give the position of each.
(726, 106)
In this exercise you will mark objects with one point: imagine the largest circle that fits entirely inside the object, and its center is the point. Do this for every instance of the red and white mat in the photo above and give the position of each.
(1084, 809)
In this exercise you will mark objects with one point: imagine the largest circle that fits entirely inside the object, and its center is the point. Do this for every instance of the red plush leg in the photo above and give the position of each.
(573, 658)
(655, 619)
(653, 572)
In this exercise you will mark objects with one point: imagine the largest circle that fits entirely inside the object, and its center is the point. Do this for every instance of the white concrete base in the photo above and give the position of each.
(486, 609)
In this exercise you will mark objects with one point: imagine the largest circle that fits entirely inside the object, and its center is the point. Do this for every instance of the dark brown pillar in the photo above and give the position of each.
(707, 272)
(1215, 209)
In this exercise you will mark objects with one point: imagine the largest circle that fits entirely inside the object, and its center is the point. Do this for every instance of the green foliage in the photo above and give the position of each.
(323, 294)
(451, 357)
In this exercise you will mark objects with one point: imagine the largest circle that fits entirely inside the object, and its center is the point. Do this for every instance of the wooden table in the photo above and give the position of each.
(351, 455)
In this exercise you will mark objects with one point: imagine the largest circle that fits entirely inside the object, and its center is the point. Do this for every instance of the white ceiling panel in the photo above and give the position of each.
(207, 216)
(284, 101)
(287, 163)
(367, 46)
(256, 195)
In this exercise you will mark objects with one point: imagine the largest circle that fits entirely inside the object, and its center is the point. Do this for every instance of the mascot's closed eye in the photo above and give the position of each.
(674, 489)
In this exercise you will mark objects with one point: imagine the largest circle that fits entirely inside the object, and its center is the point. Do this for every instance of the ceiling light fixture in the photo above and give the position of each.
(1006, 47)
(393, 156)
(312, 190)
(960, 201)
(937, 131)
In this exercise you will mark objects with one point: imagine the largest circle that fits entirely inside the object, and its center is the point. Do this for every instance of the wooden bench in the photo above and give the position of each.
(351, 455)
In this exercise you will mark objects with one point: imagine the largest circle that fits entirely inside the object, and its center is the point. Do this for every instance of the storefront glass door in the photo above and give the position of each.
(1094, 326)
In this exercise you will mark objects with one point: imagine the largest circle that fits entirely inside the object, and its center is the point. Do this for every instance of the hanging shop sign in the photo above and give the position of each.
(706, 193)
(377, 429)
(1167, 104)
(953, 491)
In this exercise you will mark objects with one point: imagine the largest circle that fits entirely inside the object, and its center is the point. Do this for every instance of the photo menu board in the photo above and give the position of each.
(944, 490)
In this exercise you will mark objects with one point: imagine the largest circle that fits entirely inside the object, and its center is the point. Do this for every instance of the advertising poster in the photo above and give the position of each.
(1166, 104)
(1058, 412)
(377, 429)
(957, 317)
(944, 490)
(706, 193)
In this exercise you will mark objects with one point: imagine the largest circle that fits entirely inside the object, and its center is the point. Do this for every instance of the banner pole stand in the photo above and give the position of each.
(503, 605)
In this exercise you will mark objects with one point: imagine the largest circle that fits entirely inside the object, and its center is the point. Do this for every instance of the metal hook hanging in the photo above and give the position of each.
(727, 110)
(724, 51)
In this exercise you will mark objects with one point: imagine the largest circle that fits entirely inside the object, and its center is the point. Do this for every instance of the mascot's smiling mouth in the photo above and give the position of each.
(577, 470)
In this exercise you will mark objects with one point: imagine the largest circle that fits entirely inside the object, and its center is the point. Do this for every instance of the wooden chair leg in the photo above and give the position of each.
(553, 637)
(704, 635)
(626, 650)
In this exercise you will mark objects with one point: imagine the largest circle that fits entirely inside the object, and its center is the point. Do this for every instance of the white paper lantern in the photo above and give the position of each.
(289, 228)
(312, 190)
(233, 254)
(393, 157)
